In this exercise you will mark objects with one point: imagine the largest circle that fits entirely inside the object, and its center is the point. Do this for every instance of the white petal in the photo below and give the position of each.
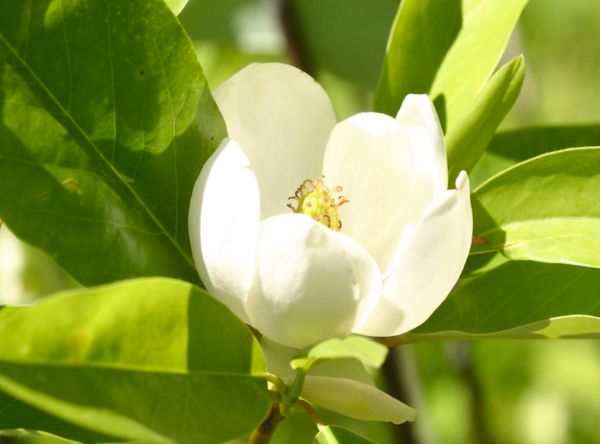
(429, 264)
(223, 222)
(306, 289)
(356, 400)
(371, 157)
(367, 271)
(419, 117)
(282, 118)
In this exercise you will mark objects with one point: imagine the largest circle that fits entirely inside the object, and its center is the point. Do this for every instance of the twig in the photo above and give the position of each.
(264, 432)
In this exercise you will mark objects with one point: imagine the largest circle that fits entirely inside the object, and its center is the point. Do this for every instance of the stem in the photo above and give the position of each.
(312, 413)
(264, 432)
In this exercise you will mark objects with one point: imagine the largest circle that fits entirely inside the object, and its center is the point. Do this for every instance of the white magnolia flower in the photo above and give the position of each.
(377, 265)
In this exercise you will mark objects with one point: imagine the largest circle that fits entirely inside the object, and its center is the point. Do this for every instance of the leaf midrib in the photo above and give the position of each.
(125, 368)
(187, 258)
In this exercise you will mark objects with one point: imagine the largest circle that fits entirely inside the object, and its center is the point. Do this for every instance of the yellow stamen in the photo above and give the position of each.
(315, 200)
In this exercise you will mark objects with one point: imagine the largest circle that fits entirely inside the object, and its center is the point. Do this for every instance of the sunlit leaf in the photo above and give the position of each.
(469, 138)
(352, 347)
(545, 209)
(106, 123)
(339, 435)
(445, 49)
(152, 359)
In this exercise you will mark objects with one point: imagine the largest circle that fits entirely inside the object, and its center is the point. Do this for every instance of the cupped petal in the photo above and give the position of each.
(282, 117)
(356, 400)
(367, 272)
(305, 289)
(431, 258)
(224, 222)
(419, 117)
(372, 158)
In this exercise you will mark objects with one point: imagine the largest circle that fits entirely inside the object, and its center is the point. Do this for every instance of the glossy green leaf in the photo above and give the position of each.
(511, 147)
(106, 123)
(176, 5)
(519, 299)
(447, 49)
(469, 138)
(15, 414)
(30, 437)
(152, 359)
(9, 310)
(545, 209)
(339, 435)
(363, 349)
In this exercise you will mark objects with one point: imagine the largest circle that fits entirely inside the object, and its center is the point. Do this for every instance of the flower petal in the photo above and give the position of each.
(367, 271)
(419, 117)
(430, 261)
(356, 400)
(372, 158)
(282, 118)
(306, 289)
(223, 223)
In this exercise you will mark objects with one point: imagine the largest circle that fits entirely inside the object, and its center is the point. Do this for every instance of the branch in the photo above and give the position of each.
(264, 432)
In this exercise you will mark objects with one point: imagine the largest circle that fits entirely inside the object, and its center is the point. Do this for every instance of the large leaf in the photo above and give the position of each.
(15, 414)
(511, 147)
(447, 49)
(339, 435)
(152, 359)
(519, 299)
(545, 209)
(106, 123)
(472, 133)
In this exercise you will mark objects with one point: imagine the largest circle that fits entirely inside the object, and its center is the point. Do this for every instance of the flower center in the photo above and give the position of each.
(314, 199)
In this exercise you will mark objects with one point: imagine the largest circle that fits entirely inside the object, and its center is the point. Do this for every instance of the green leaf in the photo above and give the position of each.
(519, 299)
(152, 359)
(106, 123)
(176, 5)
(352, 347)
(9, 310)
(511, 147)
(30, 437)
(355, 399)
(446, 49)
(469, 138)
(15, 414)
(545, 209)
(339, 435)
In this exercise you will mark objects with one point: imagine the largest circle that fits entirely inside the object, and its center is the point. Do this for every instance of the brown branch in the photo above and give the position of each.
(264, 432)
(291, 29)
(312, 413)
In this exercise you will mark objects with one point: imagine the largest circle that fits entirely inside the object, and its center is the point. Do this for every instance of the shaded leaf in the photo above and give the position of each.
(356, 400)
(30, 437)
(545, 209)
(106, 123)
(469, 138)
(519, 299)
(511, 147)
(152, 359)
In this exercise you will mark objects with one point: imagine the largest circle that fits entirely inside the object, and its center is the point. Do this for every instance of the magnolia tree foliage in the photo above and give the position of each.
(209, 310)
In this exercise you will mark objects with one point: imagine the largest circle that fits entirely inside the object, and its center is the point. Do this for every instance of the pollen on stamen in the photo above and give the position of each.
(316, 200)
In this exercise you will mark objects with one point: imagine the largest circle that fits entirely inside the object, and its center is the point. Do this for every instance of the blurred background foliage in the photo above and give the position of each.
(487, 392)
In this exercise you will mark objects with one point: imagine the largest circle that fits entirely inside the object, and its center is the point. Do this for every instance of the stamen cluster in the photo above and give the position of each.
(317, 201)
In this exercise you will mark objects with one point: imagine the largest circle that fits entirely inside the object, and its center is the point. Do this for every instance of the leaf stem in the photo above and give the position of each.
(264, 432)
(312, 413)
